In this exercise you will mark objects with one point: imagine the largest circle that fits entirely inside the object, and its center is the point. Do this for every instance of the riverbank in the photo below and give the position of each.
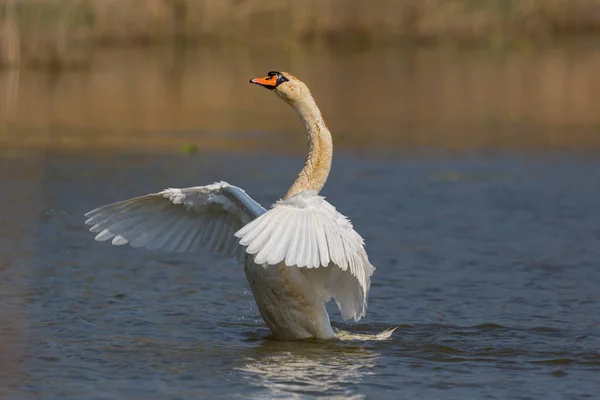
(63, 33)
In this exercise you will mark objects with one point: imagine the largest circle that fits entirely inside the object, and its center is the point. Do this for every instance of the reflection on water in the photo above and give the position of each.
(543, 98)
(295, 370)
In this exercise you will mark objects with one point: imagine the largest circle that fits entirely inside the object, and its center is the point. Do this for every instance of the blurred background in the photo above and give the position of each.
(466, 134)
(161, 74)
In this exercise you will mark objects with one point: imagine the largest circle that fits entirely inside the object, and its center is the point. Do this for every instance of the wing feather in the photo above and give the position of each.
(280, 244)
(307, 232)
(188, 237)
(215, 235)
(196, 243)
(134, 231)
(223, 236)
(256, 233)
(309, 241)
(301, 253)
(112, 215)
(184, 235)
(148, 231)
(271, 241)
(104, 235)
(190, 219)
(172, 239)
(322, 242)
(160, 241)
(334, 244)
(291, 252)
(232, 244)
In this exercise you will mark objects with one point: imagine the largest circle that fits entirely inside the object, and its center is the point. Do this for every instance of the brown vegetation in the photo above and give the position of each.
(62, 32)
(161, 99)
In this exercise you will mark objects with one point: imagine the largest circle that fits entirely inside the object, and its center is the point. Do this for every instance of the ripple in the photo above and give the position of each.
(556, 361)
(99, 320)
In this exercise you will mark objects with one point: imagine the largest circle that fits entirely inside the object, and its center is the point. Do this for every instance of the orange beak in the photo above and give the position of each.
(268, 81)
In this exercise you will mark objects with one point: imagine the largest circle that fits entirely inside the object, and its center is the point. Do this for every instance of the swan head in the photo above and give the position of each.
(291, 89)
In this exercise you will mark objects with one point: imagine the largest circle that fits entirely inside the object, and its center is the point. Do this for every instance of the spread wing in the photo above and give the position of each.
(308, 232)
(183, 220)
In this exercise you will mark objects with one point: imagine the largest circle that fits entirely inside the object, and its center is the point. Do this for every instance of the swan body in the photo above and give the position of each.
(297, 255)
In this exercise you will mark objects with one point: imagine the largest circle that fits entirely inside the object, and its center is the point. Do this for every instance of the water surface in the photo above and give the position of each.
(487, 263)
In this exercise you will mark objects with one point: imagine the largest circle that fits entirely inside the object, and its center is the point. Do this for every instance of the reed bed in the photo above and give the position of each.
(59, 33)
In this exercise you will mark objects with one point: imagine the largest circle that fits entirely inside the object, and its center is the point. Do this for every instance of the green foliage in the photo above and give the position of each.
(189, 149)
(41, 14)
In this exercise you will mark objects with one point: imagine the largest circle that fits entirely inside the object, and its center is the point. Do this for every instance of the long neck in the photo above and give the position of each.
(320, 149)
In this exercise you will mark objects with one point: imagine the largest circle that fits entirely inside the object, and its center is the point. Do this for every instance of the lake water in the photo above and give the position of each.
(486, 244)
(489, 266)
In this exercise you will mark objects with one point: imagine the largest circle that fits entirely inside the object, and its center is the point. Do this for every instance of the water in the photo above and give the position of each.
(487, 263)
(423, 97)
(472, 175)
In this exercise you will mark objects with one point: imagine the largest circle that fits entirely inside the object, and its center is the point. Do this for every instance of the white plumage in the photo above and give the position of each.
(298, 255)
(306, 231)
(182, 220)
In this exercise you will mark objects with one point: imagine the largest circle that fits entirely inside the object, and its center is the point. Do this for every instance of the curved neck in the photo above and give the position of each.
(320, 148)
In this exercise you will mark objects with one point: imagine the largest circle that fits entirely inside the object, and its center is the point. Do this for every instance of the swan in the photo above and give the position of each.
(297, 256)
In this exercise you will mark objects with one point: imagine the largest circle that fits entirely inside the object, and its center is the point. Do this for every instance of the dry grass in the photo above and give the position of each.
(62, 32)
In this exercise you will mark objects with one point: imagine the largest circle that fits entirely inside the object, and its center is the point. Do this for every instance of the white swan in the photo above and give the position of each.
(299, 254)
